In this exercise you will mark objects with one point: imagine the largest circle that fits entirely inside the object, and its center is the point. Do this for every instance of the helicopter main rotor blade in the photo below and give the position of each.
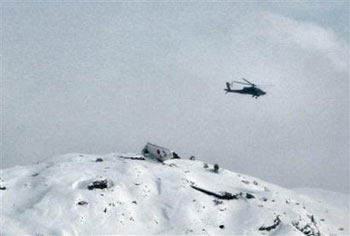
(240, 82)
(266, 85)
(248, 81)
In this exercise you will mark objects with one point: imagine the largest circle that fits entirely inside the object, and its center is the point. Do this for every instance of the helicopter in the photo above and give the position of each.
(252, 90)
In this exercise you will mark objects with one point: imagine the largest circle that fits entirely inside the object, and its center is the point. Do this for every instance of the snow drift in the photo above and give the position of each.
(78, 194)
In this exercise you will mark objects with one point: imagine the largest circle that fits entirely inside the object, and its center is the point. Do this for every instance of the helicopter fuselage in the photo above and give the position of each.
(254, 91)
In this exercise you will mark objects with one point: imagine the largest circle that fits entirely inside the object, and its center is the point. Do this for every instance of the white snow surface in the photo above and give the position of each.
(145, 197)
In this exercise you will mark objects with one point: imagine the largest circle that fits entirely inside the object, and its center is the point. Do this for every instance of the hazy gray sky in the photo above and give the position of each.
(108, 77)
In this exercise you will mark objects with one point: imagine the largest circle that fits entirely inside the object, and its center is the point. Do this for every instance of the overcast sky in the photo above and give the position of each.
(108, 77)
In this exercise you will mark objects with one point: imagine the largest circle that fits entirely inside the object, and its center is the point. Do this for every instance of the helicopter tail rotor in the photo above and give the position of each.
(228, 85)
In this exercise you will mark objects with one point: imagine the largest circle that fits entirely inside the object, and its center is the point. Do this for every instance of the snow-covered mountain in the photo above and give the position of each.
(78, 194)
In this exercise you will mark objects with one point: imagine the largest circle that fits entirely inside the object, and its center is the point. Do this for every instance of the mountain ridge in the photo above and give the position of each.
(78, 194)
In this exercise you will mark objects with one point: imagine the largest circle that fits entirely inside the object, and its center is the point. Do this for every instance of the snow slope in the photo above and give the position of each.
(147, 197)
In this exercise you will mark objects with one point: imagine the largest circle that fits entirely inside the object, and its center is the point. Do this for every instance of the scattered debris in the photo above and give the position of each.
(176, 156)
(133, 158)
(217, 202)
(99, 160)
(99, 184)
(156, 152)
(216, 168)
(309, 229)
(82, 203)
(249, 196)
(264, 199)
(224, 196)
(276, 222)
(312, 218)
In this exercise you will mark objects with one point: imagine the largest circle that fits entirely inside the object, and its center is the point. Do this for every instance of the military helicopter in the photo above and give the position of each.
(252, 90)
